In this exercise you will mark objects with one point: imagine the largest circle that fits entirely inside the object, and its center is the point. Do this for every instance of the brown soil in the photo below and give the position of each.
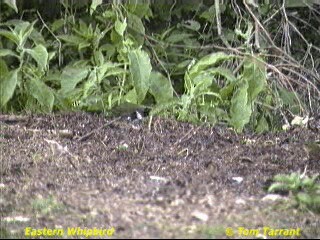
(166, 179)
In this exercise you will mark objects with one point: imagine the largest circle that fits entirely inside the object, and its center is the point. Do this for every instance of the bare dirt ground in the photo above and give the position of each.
(164, 180)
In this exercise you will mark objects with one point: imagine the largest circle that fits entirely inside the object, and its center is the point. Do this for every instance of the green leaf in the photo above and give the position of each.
(3, 68)
(8, 52)
(277, 187)
(139, 8)
(40, 55)
(160, 87)
(304, 198)
(72, 39)
(131, 97)
(84, 45)
(71, 76)
(207, 61)
(136, 28)
(12, 4)
(255, 73)
(90, 84)
(240, 109)
(57, 24)
(224, 72)
(8, 83)
(227, 91)
(120, 27)
(98, 58)
(202, 82)
(262, 125)
(94, 5)
(140, 70)
(24, 30)
(40, 91)
(37, 38)
(109, 69)
(10, 35)
(51, 56)
(210, 14)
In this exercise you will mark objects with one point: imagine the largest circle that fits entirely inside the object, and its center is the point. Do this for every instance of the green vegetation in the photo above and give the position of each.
(46, 206)
(203, 61)
(304, 190)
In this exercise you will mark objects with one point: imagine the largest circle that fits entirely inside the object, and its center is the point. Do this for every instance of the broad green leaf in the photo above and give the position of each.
(120, 27)
(116, 39)
(44, 94)
(71, 76)
(8, 83)
(37, 37)
(139, 8)
(202, 82)
(109, 14)
(108, 49)
(131, 97)
(24, 30)
(277, 187)
(136, 28)
(98, 35)
(3, 68)
(209, 14)
(227, 91)
(262, 125)
(51, 55)
(84, 30)
(160, 87)
(57, 24)
(40, 55)
(140, 70)
(192, 42)
(12, 22)
(208, 60)
(8, 52)
(10, 35)
(240, 109)
(12, 4)
(224, 72)
(90, 84)
(254, 72)
(98, 58)
(182, 65)
(109, 69)
(72, 39)
(83, 45)
(94, 5)
(305, 198)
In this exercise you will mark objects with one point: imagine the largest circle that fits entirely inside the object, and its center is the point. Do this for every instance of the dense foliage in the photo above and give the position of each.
(229, 62)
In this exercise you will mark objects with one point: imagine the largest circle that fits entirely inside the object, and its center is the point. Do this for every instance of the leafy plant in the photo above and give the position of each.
(28, 78)
(177, 59)
(305, 190)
